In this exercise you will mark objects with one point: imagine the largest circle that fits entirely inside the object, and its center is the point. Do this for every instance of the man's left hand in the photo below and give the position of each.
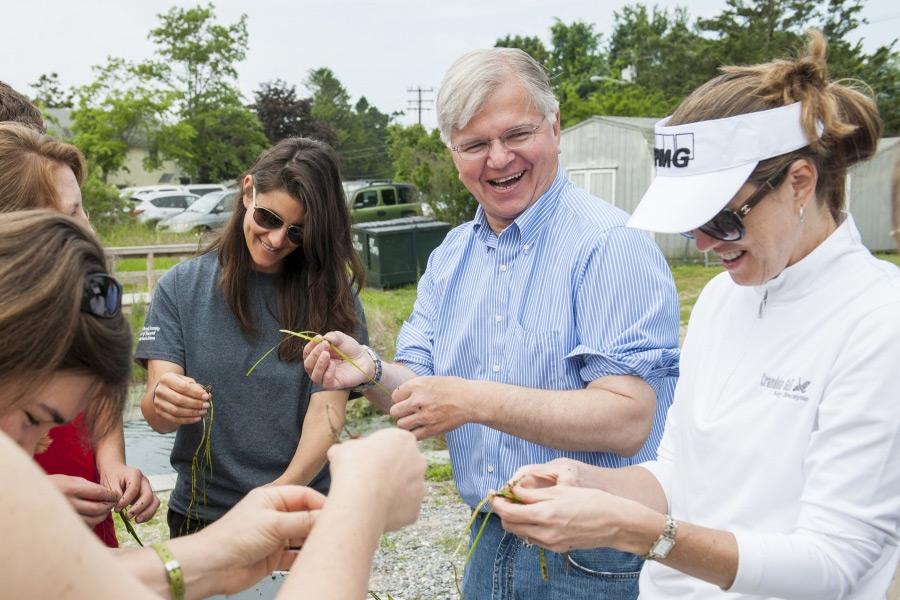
(429, 406)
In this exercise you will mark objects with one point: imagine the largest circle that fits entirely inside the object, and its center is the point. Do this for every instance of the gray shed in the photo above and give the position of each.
(612, 157)
(869, 196)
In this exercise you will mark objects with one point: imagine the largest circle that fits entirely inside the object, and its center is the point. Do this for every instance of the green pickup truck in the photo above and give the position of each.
(383, 201)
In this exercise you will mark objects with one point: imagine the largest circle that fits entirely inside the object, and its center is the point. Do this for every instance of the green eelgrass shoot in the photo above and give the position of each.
(128, 526)
(311, 336)
(201, 467)
(504, 492)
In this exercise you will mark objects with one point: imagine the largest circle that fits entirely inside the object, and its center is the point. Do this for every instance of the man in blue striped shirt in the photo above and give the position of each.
(542, 328)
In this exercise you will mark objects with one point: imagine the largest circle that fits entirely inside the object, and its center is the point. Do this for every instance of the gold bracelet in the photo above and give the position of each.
(173, 571)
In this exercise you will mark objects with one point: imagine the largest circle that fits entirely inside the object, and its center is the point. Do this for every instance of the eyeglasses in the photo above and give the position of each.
(513, 139)
(728, 225)
(266, 219)
(102, 296)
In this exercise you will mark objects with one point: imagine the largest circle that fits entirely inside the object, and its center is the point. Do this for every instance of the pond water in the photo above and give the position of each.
(144, 448)
(149, 451)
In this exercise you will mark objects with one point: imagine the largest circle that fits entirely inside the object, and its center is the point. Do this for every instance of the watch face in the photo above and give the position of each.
(662, 546)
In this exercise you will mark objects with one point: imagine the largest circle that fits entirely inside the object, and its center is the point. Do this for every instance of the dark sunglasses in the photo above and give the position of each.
(102, 296)
(728, 225)
(266, 219)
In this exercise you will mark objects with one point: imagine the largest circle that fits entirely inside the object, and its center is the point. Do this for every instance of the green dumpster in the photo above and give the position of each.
(395, 252)
(428, 235)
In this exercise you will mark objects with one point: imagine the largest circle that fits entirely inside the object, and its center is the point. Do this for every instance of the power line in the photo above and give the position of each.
(418, 103)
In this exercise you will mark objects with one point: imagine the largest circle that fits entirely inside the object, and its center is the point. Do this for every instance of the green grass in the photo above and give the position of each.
(439, 471)
(386, 310)
(689, 280)
(153, 531)
(129, 232)
(139, 263)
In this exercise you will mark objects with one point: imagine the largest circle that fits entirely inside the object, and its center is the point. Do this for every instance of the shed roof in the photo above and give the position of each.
(644, 125)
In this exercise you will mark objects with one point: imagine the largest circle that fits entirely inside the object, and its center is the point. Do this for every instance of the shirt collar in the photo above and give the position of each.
(806, 274)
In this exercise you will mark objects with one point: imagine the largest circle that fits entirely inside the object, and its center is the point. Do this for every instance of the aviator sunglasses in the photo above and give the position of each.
(102, 296)
(266, 219)
(728, 225)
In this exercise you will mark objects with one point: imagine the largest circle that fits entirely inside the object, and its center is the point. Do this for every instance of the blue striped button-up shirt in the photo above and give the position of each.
(564, 295)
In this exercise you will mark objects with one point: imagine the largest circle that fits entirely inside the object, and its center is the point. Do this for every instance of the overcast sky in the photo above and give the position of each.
(377, 49)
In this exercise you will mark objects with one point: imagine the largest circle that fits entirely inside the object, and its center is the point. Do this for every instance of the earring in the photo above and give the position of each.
(801, 213)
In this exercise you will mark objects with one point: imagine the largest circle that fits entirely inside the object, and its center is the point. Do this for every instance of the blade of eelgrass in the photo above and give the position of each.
(130, 529)
(311, 336)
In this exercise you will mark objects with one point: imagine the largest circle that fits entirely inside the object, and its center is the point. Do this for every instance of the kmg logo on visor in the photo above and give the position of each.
(673, 150)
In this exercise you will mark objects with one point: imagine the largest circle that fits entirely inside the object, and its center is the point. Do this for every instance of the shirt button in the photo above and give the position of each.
(490, 468)
(498, 318)
(496, 368)
(503, 267)
(525, 247)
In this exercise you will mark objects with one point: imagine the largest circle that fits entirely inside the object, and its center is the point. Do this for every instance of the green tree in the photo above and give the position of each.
(576, 60)
(197, 61)
(331, 102)
(49, 94)
(282, 114)
(661, 52)
(118, 111)
(365, 149)
(752, 31)
(361, 130)
(530, 44)
(422, 158)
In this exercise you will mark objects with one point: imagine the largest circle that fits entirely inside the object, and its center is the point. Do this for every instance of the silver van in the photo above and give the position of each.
(210, 211)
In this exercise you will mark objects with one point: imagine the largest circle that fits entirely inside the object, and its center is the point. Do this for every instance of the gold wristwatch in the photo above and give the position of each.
(665, 542)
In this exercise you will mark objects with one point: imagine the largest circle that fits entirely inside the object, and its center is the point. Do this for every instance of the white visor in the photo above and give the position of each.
(701, 166)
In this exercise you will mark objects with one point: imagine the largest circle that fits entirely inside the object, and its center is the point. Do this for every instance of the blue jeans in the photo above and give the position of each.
(503, 568)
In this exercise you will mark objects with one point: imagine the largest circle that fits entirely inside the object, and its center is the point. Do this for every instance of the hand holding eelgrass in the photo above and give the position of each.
(566, 505)
(174, 400)
(327, 366)
(426, 406)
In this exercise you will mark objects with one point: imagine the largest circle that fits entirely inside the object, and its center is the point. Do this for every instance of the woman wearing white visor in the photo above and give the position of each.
(778, 475)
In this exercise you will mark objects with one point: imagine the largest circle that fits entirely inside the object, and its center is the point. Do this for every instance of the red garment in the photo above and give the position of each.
(71, 454)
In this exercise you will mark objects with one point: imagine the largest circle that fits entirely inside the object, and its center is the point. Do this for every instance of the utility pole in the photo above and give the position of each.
(418, 103)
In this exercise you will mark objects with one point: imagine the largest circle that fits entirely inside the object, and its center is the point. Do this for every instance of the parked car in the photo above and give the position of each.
(203, 188)
(383, 201)
(143, 190)
(159, 205)
(210, 211)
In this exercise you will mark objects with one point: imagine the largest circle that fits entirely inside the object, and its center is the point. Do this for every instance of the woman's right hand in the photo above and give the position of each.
(384, 471)
(328, 369)
(179, 399)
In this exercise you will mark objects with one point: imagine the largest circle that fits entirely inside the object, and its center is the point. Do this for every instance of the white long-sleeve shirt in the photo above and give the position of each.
(785, 429)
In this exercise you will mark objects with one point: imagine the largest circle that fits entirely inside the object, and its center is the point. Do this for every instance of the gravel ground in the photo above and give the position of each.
(414, 563)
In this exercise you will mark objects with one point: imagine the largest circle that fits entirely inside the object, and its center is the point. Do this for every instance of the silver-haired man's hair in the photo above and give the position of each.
(474, 76)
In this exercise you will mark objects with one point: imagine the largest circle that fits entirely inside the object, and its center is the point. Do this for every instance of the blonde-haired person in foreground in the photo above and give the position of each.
(66, 350)
(778, 472)
(39, 171)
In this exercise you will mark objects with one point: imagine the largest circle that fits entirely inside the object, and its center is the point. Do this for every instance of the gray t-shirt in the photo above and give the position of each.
(257, 419)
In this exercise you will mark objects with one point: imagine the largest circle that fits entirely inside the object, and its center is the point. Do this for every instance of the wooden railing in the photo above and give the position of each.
(151, 273)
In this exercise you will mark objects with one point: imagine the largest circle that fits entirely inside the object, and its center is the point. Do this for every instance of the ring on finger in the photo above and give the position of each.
(528, 543)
